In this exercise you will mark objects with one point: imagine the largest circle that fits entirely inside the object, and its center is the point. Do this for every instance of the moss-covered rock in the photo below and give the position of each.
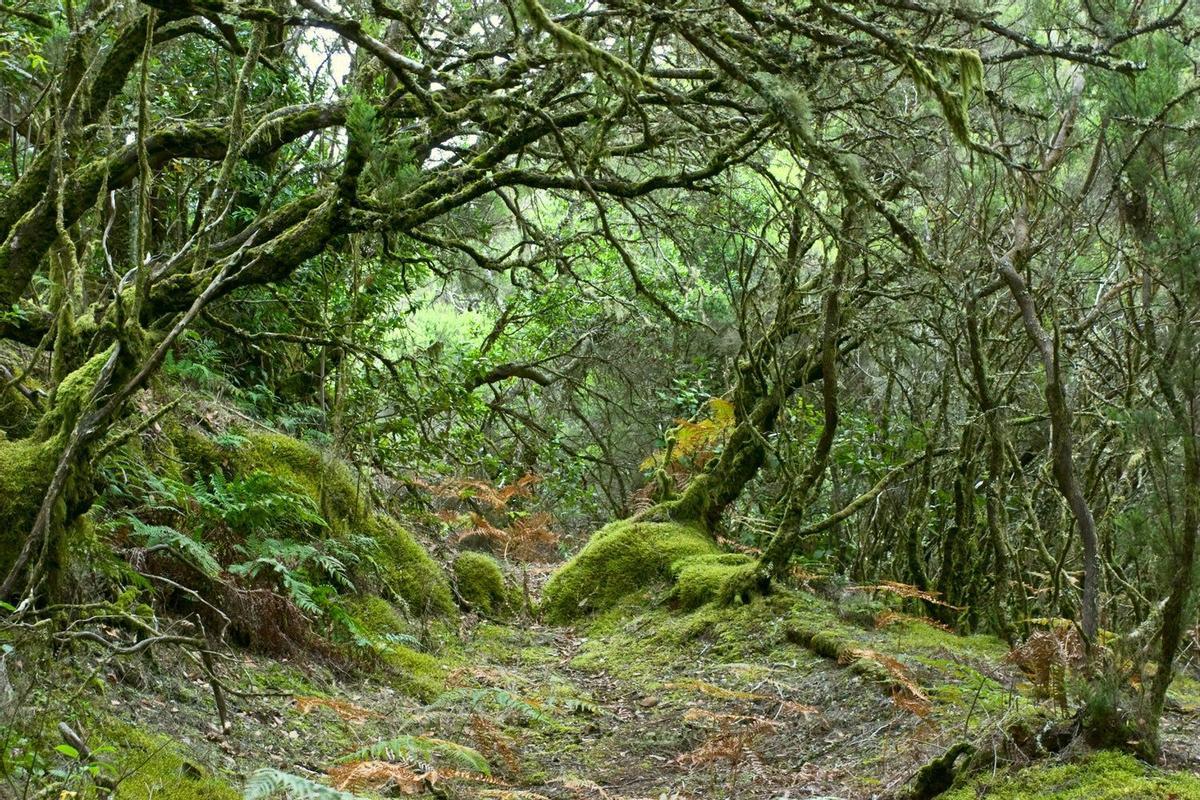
(480, 583)
(402, 568)
(406, 571)
(199, 456)
(1103, 776)
(621, 558)
(326, 480)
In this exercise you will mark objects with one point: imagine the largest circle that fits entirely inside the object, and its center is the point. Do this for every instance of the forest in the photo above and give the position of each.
(599, 399)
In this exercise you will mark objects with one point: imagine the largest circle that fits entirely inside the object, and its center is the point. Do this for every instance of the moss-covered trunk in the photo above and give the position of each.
(46, 481)
(707, 496)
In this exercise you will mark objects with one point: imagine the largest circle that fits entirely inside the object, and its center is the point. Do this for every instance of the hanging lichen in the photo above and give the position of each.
(963, 62)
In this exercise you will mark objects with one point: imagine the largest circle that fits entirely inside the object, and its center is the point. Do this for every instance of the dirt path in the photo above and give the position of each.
(644, 702)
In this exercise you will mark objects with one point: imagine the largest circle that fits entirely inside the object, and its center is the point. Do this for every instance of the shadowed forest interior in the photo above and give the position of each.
(599, 399)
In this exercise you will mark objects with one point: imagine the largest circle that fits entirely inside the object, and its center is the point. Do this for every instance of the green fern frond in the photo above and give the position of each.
(187, 548)
(423, 750)
(493, 699)
(272, 783)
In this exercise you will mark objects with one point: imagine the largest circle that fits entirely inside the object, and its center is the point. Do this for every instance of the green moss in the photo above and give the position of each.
(719, 578)
(326, 480)
(915, 636)
(621, 558)
(25, 470)
(1103, 776)
(27, 465)
(153, 766)
(1186, 692)
(480, 582)
(70, 397)
(388, 634)
(938, 775)
(199, 456)
(18, 417)
(407, 571)
(633, 641)
(404, 570)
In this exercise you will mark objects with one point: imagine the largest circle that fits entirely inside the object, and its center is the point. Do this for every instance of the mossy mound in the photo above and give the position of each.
(1103, 776)
(406, 570)
(388, 635)
(621, 558)
(722, 578)
(327, 481)
(153, 766)
(402, 568)
(480, 582)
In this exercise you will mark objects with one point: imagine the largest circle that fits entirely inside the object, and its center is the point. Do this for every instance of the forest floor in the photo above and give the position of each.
(649, 702)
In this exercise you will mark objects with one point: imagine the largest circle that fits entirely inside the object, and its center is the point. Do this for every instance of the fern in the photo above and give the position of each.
(576, 705)
(187, 548)
(379, 643)
(256, 503)
(495, 699)
(269, 783)
(423, 750)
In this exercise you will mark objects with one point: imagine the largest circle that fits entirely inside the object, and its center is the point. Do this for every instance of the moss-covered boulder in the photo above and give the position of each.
(406, 571)
(323, 478)
(326, 480)
(480, 583)
(621, 558)
(398, 567)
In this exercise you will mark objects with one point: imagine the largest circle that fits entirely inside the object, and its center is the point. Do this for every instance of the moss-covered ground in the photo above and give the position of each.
(644, 700)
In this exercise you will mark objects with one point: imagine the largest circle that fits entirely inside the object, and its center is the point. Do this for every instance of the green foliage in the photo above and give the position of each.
(252, 504)
(424, 751)
(186, 547)
(267, 783)
(295, 566)
(964, 67)
(494, 700)
(326, 480)
(376, 626)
